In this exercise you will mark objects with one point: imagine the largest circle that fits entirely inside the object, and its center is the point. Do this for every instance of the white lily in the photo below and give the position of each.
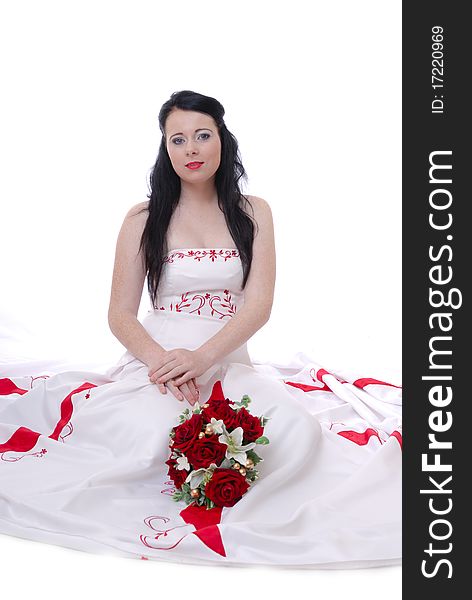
(234, 442)
(196, 477)
(182, 463)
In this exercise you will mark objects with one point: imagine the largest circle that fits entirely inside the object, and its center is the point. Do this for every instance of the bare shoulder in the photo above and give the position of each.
(139, 210)
(135, 219)
(261, 212)
(260, 205)
(132, 228)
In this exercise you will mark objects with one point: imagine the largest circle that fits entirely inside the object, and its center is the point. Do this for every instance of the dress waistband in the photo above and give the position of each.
(220, 304)
(173, 329)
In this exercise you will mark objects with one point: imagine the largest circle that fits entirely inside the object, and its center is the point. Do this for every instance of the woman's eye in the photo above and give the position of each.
(178, 141)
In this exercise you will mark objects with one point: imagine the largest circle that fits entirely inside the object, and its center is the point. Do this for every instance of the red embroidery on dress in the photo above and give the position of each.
(360, 437)
(212, 254)
(205, 527)
(398, 436)
(39, 454)
(316, 377)
(24, 439)
(226, 307)
(225, 304)
(169, 491)
(361, 383)
(7, 386)
(153, 542)
(308, 388)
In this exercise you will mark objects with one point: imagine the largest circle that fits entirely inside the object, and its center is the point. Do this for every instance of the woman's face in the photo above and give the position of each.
(192, 137)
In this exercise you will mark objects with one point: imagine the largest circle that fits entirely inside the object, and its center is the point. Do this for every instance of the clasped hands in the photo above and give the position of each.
(178, 369)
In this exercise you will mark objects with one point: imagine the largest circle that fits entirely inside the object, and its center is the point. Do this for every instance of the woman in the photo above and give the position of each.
(195, 203)
(85, 456)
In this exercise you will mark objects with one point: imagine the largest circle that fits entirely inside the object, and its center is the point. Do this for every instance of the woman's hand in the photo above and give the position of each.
(180, 365)
(189, 390)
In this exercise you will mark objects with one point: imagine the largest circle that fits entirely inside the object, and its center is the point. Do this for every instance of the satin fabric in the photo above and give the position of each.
(82, 453)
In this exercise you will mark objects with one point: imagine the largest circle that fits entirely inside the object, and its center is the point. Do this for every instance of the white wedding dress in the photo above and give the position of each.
(82, 453)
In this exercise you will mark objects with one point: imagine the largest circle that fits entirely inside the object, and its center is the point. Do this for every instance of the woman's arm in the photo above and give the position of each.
(255, 312)
(258, 293)
(127, 286)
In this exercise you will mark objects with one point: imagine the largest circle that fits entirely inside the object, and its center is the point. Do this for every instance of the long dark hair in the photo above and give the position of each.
(165, 187)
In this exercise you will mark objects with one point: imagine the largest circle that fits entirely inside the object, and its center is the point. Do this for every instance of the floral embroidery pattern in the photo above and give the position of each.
(210, 253)
(214, 304)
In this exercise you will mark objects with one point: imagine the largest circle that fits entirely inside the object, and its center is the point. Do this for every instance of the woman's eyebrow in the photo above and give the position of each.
(201, 129)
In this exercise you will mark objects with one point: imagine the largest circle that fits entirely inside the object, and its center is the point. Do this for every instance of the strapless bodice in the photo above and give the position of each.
(201, 281)
(199, 290)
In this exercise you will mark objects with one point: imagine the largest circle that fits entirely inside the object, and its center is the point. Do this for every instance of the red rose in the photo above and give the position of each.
(226, 487)
(187, 432)
(178, 476)
(221, 409)
(205, 451)
(252, 428)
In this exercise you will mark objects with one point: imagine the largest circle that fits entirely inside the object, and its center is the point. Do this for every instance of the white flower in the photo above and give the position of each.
(196, 477)
(182, 463)
(217, 425)
(234, 442)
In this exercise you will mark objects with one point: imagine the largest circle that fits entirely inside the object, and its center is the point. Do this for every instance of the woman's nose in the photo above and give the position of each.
(191, 147)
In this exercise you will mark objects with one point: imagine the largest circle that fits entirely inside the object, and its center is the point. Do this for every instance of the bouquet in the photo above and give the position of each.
(212, 461)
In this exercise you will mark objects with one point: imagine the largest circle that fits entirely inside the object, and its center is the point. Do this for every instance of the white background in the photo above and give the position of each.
(312, 91)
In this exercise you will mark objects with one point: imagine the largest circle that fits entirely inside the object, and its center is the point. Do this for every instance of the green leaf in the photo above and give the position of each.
(185, 415)
(262, 440)
(253, 456)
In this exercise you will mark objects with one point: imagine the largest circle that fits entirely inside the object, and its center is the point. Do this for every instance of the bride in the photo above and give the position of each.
(195, 204)
(85, 455)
